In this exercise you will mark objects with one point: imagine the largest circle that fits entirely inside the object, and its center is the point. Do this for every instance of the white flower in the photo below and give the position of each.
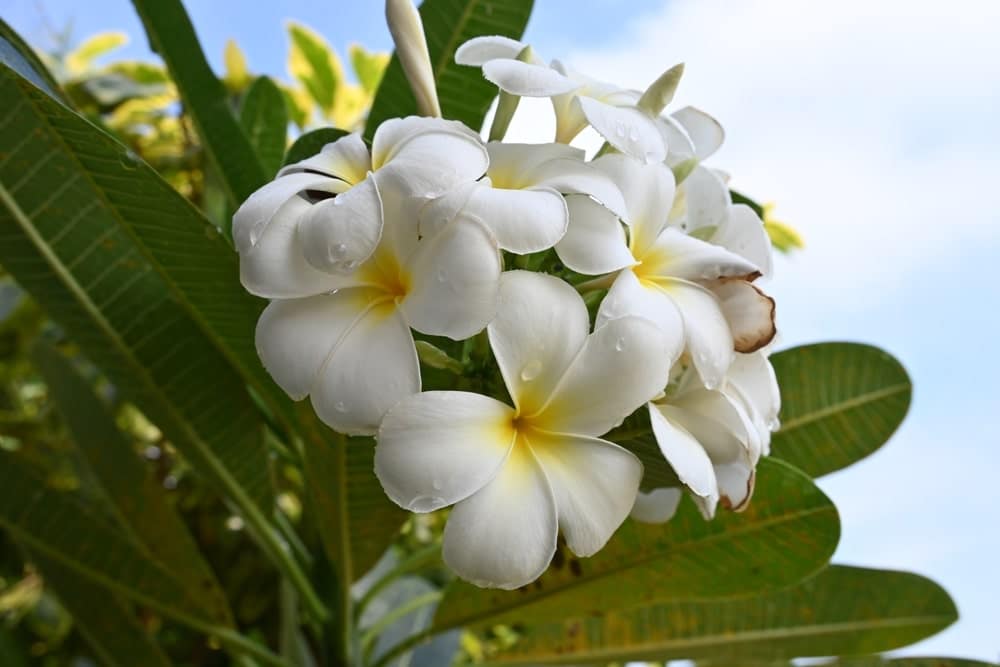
(714, 438)
(521, 199)
(351, 350)
(696, 291)
(519, 475)
(322, 216)
(577, 100)
(411, 46)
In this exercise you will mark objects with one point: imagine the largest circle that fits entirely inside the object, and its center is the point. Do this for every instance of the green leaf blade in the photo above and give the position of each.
(264, 118)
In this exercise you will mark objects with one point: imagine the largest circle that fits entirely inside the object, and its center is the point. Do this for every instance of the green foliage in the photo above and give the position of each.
(311, 143)
(264, 119)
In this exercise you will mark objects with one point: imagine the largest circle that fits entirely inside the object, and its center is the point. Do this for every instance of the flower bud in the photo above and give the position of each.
(411, 47)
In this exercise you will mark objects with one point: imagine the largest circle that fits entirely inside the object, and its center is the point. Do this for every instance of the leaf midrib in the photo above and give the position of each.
(843, 406)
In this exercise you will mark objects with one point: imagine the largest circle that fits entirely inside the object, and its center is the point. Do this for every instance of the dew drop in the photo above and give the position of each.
(531, 370)
(711, 384)
(348, 265)
(442, 276)
(620, 130)
(774, 424)
(257, 231)
(338, 250)
(338, 201)
(620, 344)
(436, 484)
(339, 406)
(129, 160)
(426, 503)
(633, 135)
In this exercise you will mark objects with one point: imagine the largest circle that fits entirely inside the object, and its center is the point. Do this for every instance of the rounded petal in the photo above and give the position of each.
(743, 233)
(295, 337)
(706, 331)
(455, 276)
(427, 156)
(514, 165)
(254, 216)
(628, 129)
(749, 313)
(594, 482)
(523, 221)
(526, 79)
(706, 200)
(648, 190)
(679, 146)
(275, 267)
(594, 242)
(705, 132)
(346, 158)
(684, 453)
(540, 326)
(657, 506)
(479, 50)
(570, 176)
(439, 447)
(372, 368)
(504, 535)
(715, 421)
(622, 365)
(629, 296)
(338, 234)
(753, 379)
(675, 254)
(736, 482)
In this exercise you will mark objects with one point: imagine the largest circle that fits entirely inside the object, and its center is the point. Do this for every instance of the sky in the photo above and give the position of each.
(873, 126)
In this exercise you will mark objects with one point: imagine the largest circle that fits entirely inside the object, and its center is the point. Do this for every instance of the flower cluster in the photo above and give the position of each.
(630, 286)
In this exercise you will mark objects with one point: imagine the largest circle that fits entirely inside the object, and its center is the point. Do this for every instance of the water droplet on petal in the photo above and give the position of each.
(442, 276)
(426, 504)
(338, 201)
(531, 370)
(774, 424)
(257, 231)
(620, 129)
(338, 250)
(711, 384)
(339, 406)
(633, 135)
(436, 484)
(620, 344)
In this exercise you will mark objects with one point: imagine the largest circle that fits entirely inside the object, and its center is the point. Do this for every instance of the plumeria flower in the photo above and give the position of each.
(578, 100)
(714, 438)
(322, 217)
(351, 350)
(519, 475)
(698, 292)
(692, 135)
(521, 198)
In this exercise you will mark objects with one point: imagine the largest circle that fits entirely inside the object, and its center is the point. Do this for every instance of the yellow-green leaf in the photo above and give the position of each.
(314, 63)
(82, 57)
(237, 76)
(368, 66)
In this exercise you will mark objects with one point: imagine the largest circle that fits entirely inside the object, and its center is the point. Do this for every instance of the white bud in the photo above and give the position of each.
(411, 47)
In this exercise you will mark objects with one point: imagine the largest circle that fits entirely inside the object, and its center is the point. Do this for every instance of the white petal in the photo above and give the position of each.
(753, 379)
(683, 452)
(478, 50)
(709, 340)
(455, 277)
(594, 483)
(346, 158)
(629, 296)
(679, 145)
(648, 190)
(371, 369)
(439, 447)
(523, 221)
(749, 313)
(628, 129)
(716, 422)
(743, 232)
(275, 267)
(595, 239)
(427, 156)
(339, 234)
(514, 165)
(253, 217)
(706, 133)
(526, 79)
(294, 337)
(736, 482)
(657, 506)
(622, 365)
(540, 326)
(504, 535)
(570, 176)
(678, 255)
(706, 199)
(435, 214)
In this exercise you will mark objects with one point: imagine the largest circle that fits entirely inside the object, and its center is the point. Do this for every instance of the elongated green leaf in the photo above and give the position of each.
(311, 143)
(464, 94)
(788, 533)
(17, 55)
(264, 118)
(880, 661)
(843, 610)
(840, 403)
(57, 526)
(315, 64)
(356, 520)
(106, 622)
(134, 495)
(73, 203)
(172, 36)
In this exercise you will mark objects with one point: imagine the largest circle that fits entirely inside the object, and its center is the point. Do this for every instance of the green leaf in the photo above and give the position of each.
(314, 64)
(788, 533)
(740, 198)
(839, 403)
(73, 534)
(74, 204)
(311, 143)
(636, 435)
(783, 237)
(843, 610)
(106, 622)
(17, 55)
(237, 76)
(880, 661)
(133, 494)
(172, 36)
(368, 66)
(464, 94)
(264, 118)
(82, 57)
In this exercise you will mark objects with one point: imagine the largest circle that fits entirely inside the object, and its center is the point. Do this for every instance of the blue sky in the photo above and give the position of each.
(873, 127)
